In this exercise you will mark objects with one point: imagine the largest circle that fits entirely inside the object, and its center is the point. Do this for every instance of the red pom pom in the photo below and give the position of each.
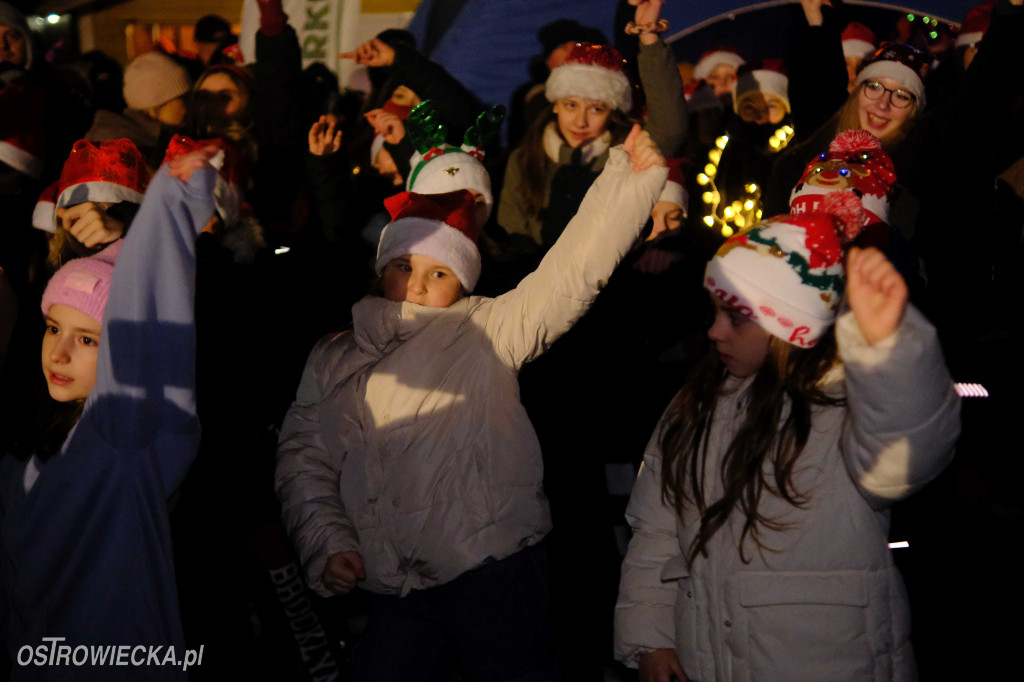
(854, 141)
(847, 210)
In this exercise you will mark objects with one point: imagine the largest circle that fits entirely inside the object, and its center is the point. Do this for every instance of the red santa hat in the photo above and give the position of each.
(786, 274)
(975, 25)
(21, 129)
(42, 215)
(712, 58)
(855, 161)
(766, 76)
(111, 170)
(858, 40)
(593, 72)
(439, 226)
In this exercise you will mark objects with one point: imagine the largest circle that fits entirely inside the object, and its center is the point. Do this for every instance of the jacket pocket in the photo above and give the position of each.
(799, 625)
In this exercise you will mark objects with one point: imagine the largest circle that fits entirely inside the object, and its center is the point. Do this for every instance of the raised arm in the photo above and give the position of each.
(667, 116)
(903, 414)
(547, 302)
(145, 377)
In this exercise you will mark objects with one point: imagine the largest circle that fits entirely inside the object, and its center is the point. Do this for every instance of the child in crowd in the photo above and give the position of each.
(407, 464)
(761, 510)
(85, 537)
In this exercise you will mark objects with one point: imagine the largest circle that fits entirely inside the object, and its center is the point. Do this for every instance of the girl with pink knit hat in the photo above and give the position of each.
(760, 513)
(84, 528)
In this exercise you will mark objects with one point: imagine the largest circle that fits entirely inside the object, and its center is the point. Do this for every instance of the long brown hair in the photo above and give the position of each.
(790, 376)
(534, 162)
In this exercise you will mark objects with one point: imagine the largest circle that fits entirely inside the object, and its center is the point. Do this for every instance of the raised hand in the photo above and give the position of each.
(387, 125)
(876, 293)
(643, 153)
(182, 166)
(373, 52)
(343, 571)
(323, 140)
(90, 223)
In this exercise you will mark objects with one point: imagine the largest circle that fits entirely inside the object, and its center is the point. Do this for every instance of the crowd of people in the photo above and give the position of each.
(336, 385)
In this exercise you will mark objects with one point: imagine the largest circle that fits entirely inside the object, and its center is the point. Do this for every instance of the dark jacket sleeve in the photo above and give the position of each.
(667, 116)
(817, 74)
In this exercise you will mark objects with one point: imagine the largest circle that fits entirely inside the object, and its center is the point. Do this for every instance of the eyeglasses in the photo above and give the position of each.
(901, 99)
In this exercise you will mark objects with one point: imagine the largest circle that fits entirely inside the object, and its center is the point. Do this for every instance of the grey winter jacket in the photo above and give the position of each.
(826, 601)
(407, 441)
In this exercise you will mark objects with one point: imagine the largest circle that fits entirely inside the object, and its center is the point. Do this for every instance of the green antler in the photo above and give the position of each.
(424, 127)
(486, 127)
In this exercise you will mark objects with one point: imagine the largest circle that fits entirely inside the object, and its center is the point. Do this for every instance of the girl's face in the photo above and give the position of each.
(878, 116)
(742, 345)
(666, 216)
(581, 120)
(172, 113)
(70, 349)
(221, 82)
(422, 280)
(756, 107)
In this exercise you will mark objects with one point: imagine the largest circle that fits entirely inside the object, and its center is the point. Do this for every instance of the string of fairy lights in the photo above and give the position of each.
(745, 210)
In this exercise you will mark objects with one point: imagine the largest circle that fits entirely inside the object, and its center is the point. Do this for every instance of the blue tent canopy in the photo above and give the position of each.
(490, 42)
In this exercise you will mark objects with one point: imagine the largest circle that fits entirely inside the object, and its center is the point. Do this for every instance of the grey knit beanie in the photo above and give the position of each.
(153, 79)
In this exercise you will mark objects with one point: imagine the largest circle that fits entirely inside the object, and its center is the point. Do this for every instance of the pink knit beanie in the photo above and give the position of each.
(84, 283)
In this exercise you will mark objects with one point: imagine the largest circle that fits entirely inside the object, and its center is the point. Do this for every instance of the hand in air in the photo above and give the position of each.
(343, 571)
(643, 153)
(373, 52)
(182, 166)
(876, 293)
(323, 139)
(90, 224)
(387, 125)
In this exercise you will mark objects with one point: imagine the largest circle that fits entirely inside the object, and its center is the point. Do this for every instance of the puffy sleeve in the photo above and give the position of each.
(648, 586)
(306, 479)
(903, 415)
(525, 321)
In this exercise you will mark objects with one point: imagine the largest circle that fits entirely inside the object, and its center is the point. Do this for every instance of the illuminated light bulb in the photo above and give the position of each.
(774, 142)
(702, 179)
(737, 206)
(53, 18)
(708, 197)
(933, 35)
(927, 20)
(715, 155)
(751, 188)
(726, 231)
(729, 212)
(356, 170)
(709, 221)
(740, 222)
(758, 214)
(722, 141)
(935, 22)
(748, 204)
(910, 17)
(716, 196)
(781, 133)
(710, 170)
(788, 129)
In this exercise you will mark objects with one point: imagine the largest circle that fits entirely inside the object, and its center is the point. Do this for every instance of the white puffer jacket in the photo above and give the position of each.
(828, 603)
(407, 441)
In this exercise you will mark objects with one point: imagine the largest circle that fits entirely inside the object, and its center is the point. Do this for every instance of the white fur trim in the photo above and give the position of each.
(21, 160)
(453, 171)
(857, 48)
(591, 82)
(434, 239)
(95, 190)
(43, 217)
(901, 73)
(969, 39)
(708, 63)
(674, 193)
(553, 144)
(761, 80)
